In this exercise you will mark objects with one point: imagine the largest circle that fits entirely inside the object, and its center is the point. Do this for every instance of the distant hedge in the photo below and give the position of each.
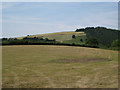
(29, 41)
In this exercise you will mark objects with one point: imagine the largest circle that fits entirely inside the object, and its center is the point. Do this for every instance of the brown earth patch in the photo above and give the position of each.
(81, 60)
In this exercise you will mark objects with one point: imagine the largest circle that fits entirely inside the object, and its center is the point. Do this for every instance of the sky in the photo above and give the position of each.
(30, 18)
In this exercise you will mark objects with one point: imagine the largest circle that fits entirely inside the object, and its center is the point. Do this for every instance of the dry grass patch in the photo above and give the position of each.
(81, 60)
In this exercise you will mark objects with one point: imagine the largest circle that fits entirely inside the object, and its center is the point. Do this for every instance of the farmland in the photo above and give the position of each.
(50, 66)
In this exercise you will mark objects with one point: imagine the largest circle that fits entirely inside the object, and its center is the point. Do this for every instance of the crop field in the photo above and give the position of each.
(50, 66)
(59, 36)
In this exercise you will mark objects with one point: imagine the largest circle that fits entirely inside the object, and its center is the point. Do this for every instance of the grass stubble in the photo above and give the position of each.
(39, 66)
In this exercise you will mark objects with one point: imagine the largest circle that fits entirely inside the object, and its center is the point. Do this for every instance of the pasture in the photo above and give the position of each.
(49, 66)
(59, 36)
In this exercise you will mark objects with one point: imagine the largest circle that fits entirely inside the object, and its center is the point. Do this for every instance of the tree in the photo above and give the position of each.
(73, 36)
(25, 38)
(73, 44)
(77, 30)
(4, 39)
(89, 28)
(15, 39)
(115, 43)
(11, 39)
(54, 39)
(100, 27)
(41, 38)
(92, 42)
(46, 39)
(81, 40)
(35, 38)
(80, 30)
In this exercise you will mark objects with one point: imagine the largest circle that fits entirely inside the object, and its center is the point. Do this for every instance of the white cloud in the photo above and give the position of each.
(25, 20)
(6, 5)
(107, 19)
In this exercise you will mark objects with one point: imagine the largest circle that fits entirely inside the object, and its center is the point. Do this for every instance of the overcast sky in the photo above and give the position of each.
(21, 19)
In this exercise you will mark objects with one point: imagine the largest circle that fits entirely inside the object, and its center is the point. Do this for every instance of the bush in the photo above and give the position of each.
(115, 44)
(46, 39)
(41, 39)
(54, 40)
(4, 39)
(73, 44)
(73, 36)
(81, 40)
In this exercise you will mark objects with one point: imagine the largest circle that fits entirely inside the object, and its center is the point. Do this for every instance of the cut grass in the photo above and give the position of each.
(37, 67)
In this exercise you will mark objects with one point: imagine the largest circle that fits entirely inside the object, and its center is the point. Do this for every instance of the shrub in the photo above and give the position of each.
(115, 43)
(46, 39)
(81, 40)
(73, 36)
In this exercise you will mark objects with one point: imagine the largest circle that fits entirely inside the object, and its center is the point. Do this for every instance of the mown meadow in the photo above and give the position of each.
(50, 66)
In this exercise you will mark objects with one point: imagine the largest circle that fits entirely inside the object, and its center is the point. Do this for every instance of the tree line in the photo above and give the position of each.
(102, 37)
(37, 41)
(26, 41)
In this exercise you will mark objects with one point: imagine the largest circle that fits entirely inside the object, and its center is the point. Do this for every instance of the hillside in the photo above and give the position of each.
(97, 37)
(59, 36)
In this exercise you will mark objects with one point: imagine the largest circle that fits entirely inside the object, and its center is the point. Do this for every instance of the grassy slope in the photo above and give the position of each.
(37, 67)
(60, 36)
(76, 40)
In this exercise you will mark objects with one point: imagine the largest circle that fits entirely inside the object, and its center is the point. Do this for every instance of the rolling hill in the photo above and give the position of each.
(59, 36)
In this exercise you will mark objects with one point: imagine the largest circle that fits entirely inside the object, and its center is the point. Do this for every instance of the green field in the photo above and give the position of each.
(59, 36)
(76, 40)
(45, 66)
